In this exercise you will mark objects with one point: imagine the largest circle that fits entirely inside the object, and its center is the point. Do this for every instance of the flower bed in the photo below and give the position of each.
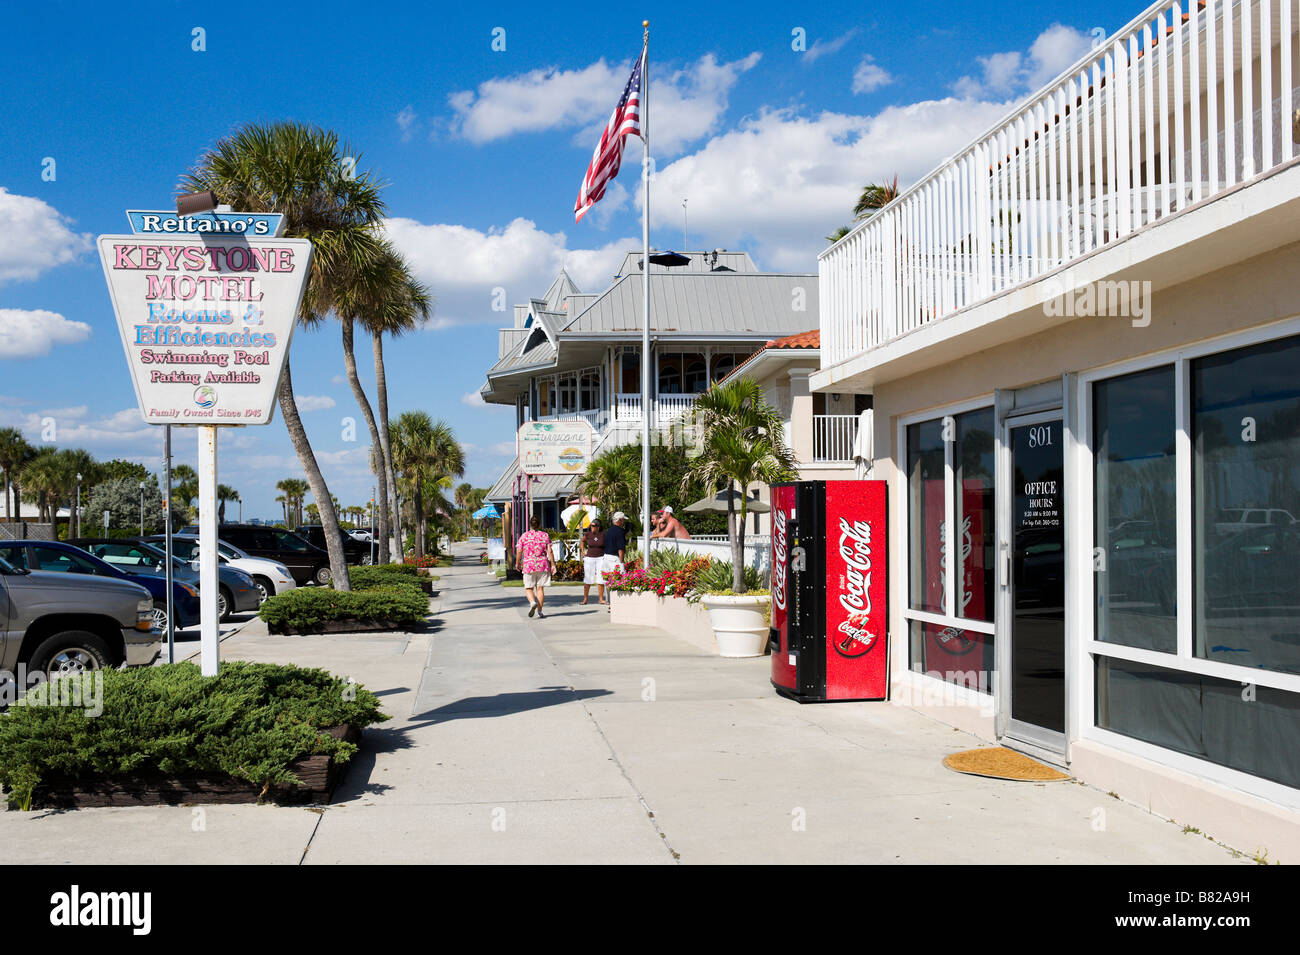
(169, 734)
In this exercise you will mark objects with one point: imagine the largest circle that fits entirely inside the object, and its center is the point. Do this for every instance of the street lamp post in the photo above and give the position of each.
(78, 503)
(142, 508)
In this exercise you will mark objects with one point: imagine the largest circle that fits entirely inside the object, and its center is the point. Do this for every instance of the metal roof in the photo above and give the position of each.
(704, 303)
(544, 488)
(699, 262)
(562, 286)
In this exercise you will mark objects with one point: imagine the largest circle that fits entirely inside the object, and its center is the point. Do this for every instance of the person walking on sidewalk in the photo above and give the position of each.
(536, 561)
(593, 560)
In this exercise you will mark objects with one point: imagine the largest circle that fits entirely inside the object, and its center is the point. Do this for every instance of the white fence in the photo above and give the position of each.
(1185, 102)
(758, 548)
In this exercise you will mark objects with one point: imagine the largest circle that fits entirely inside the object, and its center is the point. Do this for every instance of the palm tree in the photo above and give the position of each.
(185, 488)
(224, 493)
(14, 453)
(613, 479)
(77, 461)
(43, 476)
(839, 233)
(383, 296)
(426, 454)
(463, 493)
(742, 443)
(295, 490)
(299, 171)
(875, 196)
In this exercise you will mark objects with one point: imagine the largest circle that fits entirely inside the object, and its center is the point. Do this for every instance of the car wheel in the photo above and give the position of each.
(71, 653)
(368, 559)
(225, 604)
(265, 589)
(323, 575)
(160, 617)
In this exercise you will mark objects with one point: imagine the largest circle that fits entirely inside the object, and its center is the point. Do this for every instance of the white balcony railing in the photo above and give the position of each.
(1185, 102)
(833, 436)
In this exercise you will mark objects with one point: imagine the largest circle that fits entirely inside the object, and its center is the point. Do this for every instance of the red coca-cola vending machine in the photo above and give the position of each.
(828, 634)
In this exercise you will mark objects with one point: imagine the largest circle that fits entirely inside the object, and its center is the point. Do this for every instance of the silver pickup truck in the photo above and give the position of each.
(70, 623)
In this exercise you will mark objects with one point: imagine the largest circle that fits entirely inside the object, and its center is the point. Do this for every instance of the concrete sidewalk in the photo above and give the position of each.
(571, 740)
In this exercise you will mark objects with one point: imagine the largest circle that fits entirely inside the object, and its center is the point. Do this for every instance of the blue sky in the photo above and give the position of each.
(484, 151)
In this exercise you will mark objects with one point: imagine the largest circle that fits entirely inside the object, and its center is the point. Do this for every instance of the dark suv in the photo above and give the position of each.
(357, 552)
(305, 561)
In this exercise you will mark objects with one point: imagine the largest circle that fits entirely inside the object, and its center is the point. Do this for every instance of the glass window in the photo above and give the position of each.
(1135, 524)
(62, 561)
(1246, 494)
(670, 374)
(123, 555)
(289, 541)
(17, 556)
(723, 365)
(590, 391)
(974, 466)
(630, 361)
(927, 516)
(1202, 716)
(694, 375)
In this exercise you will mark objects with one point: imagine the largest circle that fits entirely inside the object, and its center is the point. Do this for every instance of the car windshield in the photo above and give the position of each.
(289, 541)
(229, 551)
(8, 568)
(159, 555)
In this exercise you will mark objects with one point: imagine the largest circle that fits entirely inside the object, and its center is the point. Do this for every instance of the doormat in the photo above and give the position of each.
(999, 762)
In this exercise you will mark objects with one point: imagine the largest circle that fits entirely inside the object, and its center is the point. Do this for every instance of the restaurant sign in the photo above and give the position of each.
(206, 313)
(555, 447)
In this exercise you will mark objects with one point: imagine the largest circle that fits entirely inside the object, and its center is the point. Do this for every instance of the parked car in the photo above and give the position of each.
(268, 576)
(66, 624)
(1234, 520)
(58, 557)
(307, 563)
(236, 592)
(357, 552)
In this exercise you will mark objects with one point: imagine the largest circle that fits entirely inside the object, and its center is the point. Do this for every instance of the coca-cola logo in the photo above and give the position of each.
(857, 638)
(955, 641)
(855, 551)
(778, 560)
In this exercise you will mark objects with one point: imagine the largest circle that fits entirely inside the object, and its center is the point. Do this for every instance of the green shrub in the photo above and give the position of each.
(369, 578)
(252, 721)
(669, 558)
(395, 570)
(716, 578)
(307, 608)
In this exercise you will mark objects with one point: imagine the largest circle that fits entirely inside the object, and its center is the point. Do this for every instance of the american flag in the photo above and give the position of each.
(626, 121)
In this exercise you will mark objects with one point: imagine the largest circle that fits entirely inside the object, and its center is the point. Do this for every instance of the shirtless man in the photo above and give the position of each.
(667, 525)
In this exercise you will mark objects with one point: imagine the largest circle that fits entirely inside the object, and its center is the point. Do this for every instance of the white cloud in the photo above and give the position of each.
(1012, 72)
(119, 433)
(869, 76)
(30, 334)
(475, 400)
(465, 266)
(822, 48)
(688, 103)
(34, 237)
(780, 181)
(406, 121)
(313, 402)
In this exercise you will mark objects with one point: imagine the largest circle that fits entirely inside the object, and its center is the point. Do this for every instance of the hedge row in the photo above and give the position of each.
(306, 608)
(385, 575)
(252, 721)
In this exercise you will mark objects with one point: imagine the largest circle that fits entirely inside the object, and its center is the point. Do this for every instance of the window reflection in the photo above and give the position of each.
(1246, 489)
(1135, 529)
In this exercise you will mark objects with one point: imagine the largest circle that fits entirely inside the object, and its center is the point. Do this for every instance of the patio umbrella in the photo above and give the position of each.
(863, 456)
(487, 511)
(566, 515)
(718, 503)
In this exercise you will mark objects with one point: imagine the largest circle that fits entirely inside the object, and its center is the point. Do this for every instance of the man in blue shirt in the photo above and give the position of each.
(616, 541)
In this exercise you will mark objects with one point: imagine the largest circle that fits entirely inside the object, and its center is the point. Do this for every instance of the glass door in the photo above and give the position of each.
(1034, 568)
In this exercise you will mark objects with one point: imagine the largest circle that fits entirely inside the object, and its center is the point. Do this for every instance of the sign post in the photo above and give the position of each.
(206, 305)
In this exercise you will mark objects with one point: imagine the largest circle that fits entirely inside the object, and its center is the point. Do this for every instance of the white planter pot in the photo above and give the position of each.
(738, 624)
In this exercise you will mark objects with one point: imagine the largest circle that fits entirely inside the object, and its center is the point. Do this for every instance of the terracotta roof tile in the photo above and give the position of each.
(810, 339)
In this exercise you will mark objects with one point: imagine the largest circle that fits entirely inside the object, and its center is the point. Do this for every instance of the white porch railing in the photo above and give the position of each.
(670, 408)
(833, 436)
(1183, 103)
(627, 407)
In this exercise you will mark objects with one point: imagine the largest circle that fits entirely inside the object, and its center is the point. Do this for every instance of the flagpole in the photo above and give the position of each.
(645, 294)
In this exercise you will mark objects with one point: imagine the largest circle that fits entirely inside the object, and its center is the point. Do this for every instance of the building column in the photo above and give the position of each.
(801, 416)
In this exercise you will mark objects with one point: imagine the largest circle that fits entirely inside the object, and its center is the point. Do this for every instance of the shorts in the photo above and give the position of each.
(540, 579)
(612, 564)
(593, 570)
